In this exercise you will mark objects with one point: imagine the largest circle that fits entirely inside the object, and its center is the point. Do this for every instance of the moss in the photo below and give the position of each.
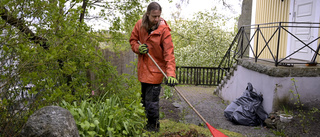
(170, 128)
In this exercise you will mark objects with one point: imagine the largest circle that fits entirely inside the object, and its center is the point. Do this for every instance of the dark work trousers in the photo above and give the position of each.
(150, 100)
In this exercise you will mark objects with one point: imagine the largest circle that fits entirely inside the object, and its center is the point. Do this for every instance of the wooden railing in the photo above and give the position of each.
(200, 75)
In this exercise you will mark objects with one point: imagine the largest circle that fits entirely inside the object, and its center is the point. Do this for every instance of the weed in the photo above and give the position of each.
(257, 128)
(183, 114)
(296, 94)
(162, 115)
(287, 111)
(279, 133)
(167, 92)
(171, 111)
(306, 116)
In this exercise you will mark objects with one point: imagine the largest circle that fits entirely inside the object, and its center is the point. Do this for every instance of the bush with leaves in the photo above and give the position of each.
(202, 41)
(48, 44)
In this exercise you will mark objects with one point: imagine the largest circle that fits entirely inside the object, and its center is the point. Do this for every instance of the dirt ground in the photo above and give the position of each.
(212, 108)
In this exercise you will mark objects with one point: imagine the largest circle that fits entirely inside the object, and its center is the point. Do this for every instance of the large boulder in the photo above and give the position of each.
(50, 121)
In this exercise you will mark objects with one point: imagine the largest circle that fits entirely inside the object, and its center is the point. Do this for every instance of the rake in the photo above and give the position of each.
(214, 132)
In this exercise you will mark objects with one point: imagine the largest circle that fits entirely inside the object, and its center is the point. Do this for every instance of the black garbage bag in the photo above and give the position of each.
(247, 110)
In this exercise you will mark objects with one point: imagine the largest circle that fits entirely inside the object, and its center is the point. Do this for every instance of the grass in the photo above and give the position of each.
(279, 133)
(172, 128)
(169, 127)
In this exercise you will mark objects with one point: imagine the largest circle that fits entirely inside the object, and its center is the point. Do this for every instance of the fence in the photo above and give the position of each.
(200, 75)
(271, 46)
(123, 60)
(210, 76)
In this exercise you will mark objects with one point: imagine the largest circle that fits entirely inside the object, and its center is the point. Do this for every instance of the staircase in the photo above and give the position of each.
(225, 79)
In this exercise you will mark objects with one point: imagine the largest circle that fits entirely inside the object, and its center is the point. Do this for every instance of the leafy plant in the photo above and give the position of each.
(287, 111)
(168, 93)
(279, 133)
(107, 116)
(49, 44)
(305, 115)
(296, 95)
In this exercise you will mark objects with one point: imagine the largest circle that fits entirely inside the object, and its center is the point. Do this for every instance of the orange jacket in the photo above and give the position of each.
(160, 48)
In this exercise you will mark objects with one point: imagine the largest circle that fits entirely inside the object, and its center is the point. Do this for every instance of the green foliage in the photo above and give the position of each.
(123, 25)
(171, 128)
(296, 95)
(287, 111)
(202, 41)
(306, 116)
(168, 92)
(108, 116)
(280, 133)
(49, 47)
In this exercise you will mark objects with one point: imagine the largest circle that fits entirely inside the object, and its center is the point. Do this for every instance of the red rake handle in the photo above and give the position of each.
(214, 132)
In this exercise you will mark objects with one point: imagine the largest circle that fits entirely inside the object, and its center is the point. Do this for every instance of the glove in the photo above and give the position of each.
(143, 49)
(172, 81)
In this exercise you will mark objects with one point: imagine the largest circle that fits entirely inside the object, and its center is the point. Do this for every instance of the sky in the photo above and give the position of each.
(190, 8)
(194, 6)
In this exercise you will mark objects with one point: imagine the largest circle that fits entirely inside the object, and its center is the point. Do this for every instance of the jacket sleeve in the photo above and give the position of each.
(134, 38)
(168, 52)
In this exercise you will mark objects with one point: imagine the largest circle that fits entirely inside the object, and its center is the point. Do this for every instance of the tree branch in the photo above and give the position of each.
(182, 36)
(84, 7)
(19, 24)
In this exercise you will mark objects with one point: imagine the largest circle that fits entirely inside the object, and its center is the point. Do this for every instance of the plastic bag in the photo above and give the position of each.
(247, 110)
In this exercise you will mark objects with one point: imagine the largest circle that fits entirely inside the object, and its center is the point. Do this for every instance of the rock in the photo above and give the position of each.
(280, 125)
(50, 121)
(272, 115)
(176, 105)
(270, 123)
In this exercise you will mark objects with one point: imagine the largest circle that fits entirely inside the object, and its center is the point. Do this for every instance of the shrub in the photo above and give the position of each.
(108, 116)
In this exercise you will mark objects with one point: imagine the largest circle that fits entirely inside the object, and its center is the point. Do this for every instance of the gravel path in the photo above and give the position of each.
(211, 108)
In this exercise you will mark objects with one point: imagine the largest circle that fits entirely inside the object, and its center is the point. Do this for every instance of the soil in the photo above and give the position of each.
(212, 108)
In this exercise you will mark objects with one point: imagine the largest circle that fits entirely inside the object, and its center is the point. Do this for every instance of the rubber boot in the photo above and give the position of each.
(153, 127)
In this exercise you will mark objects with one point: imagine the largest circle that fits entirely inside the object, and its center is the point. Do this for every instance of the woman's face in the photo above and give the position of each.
(154, 16)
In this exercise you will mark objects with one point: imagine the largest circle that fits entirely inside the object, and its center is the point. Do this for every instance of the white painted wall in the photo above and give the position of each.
(308, 87)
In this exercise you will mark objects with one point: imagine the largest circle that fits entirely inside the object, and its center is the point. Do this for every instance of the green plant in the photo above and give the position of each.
(299, 105)
(201, 41)
(49, 44)
(279, 133)
(161, 115)
(167, 92)
(305, 115)
(107, 116)
(296, 95)
(183, 114)
(171, 128)
(286, 111)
